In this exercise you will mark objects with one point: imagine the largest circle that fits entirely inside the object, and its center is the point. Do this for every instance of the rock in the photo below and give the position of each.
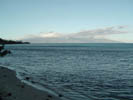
(9, 94)
(49, 96)
(60, 95)
(27, 78)
(1, 98)
(22, 86)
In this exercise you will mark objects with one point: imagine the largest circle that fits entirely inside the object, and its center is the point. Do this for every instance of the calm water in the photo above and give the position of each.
(78, 71)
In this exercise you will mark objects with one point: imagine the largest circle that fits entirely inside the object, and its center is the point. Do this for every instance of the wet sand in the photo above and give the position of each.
(11, 88)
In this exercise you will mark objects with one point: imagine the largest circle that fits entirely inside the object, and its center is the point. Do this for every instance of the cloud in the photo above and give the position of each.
(101, 31)
(50, 35)
(122, 27)
(95, 35)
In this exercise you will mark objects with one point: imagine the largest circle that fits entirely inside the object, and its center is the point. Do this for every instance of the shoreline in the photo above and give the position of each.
(13, 88)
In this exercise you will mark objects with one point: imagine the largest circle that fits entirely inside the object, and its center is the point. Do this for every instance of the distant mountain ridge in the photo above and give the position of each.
(68, 40)
(3, 41)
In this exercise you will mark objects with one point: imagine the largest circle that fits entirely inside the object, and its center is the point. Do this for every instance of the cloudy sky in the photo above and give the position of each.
(67, 20)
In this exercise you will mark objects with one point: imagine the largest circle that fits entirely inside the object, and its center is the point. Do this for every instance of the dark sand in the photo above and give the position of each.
(11, 88)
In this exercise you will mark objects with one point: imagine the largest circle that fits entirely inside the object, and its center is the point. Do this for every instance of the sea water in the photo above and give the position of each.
(78, 71)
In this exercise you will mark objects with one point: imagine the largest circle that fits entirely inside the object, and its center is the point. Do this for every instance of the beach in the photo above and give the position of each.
(11, 88)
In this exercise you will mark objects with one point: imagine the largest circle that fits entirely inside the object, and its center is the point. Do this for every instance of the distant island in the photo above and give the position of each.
(3, 41)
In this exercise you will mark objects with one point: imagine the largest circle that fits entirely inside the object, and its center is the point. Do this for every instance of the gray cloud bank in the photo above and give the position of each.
(85, 36)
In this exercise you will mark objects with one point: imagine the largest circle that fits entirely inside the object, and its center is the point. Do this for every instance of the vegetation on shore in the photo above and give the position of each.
(4, 52)
(3, 41)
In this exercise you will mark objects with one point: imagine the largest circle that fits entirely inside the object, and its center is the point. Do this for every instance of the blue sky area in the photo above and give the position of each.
(19, 18)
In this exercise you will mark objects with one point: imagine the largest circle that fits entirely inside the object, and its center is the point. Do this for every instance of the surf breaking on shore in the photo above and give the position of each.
(11, 88)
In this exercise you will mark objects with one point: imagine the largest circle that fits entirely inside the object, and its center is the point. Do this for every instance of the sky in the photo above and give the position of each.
(67, 20)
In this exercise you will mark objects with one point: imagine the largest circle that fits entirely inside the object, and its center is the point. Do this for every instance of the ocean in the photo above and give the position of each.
(79, 71)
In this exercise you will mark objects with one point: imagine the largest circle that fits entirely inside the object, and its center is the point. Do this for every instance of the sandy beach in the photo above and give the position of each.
(11, 88)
